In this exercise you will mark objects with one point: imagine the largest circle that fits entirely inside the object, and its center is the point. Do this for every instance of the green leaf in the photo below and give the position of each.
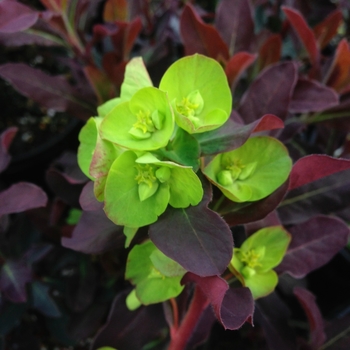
(122, 202)
(262, 284)
(130, 124)
(136, 77)
(152, 286)
(106, 107)
(258, 168)
(198, 89)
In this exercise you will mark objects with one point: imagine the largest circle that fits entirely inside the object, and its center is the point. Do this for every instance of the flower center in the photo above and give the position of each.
(233, 171)
(147, 181)
(251, 258)
(191, 105)
(146, 124)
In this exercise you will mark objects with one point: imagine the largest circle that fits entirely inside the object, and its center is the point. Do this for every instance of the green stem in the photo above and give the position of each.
(218, 203)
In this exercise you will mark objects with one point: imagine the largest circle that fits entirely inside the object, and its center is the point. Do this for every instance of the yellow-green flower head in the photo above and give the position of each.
(198, 89)
(146, 122)
(139, 187)
(252, 171)
(253, 262)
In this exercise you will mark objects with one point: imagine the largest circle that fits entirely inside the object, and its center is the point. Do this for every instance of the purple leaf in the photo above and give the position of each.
(242, 213)
(122, 326)
(313, 244)
(21, 197)
(325, 196)
(42, 300)
(307, 301)
(312, 96)
(95, 234)
(234, 21)
(270, 93)
(52, 92)
(13, 278)
(36, 252)
(314, 167)
(5, 141)
(274, 322)
(15, 16)
(232, 306)
(196, 237)
(233, 135)
(87, 198)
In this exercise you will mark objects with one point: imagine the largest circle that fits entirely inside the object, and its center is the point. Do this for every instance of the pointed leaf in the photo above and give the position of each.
(314, 167)
(312, 96)
(270, 51)
(232, 306)
(14, 276)
(49, 91)
(196, 237)
(328, 28)
(236, 66)
(313, 244)
(199, 37)
(234, 21)
(270, 93)
(42, 300)
(308, 302)
(21, 197)
(304, 33)
(233, 135)
(15, 16)
(338, 76)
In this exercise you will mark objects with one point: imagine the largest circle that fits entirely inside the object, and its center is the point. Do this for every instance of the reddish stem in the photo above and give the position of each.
(175, 326)
(180, 338)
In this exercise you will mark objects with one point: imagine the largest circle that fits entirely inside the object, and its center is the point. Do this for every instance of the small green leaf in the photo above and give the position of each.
(155, 276)
(130, 233)
(257, 168)
(199, 91)
(106, 107)
(132, 302)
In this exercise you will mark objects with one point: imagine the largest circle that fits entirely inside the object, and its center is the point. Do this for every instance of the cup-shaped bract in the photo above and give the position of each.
(95, 156)
(252, 171)
(146, 122)
(199, 92)
(156, 277)
(139, 187)
(253, 262)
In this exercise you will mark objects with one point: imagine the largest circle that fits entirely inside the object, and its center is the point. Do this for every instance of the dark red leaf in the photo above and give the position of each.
(25, 38)
(14, 276)
(304, 33)
(328, 28)
(270, 93)
(21, 197)
(95, 234)
(49, 91)
(122, 326)
(196, 237)
(308, 302)
(233, 135)
(199, 37)
(15, 16)
(232, 306)
(312, 96)
(234, 21)
(236, 66)
(5, 141)
(338, 76)
(275, 322)
(313, 244)
(270, 51)
(87, 198)
(242, 213)
(328, 195)
(313, 167)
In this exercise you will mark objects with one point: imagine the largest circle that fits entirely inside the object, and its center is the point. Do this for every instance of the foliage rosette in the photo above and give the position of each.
(145, 122)
(198, 90)
(156, 277)
(252, 171)
(253, 262)
(139, 188)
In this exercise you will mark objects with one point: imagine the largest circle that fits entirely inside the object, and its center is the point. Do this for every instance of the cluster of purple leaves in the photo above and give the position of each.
(300, 96)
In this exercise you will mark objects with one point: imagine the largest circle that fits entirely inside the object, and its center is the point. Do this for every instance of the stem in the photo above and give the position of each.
(218, 203)
(175, 326)
(180, 338)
